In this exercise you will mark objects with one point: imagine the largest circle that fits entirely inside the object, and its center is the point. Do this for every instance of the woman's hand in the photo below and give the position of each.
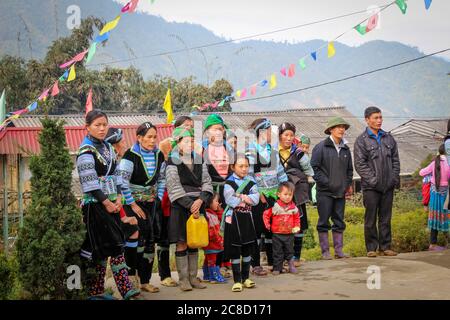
(119, 202)
(129, 220)
(246, 199)
(111, 207)
(136, 209)
(195, 208)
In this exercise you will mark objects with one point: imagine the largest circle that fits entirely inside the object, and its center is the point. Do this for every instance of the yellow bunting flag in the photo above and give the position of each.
(110, 25)
(331, 50)
(72, 74)
(273, 81)
(168, 107)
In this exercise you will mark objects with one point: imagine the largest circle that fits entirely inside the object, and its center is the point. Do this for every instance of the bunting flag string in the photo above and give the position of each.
(362, 28)
(69, 66)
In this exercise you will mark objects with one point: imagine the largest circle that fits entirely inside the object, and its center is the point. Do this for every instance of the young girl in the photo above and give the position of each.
(267, 171)
(438, 214)
(101, 185)
(241, 194)
(211, 271)
(142, 169)
(298, 168)
(189, 187)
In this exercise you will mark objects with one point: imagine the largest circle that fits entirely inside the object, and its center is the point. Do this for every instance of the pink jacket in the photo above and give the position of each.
(445, 172)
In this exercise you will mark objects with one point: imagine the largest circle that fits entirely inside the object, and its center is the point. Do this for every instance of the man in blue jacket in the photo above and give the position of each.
(333, 172)
(378, 164)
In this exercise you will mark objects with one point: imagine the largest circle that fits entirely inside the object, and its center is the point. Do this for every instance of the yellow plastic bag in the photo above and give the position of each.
(197, 232)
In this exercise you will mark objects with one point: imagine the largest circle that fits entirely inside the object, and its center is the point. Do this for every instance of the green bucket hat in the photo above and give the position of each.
(214, 119)
(336, 121)
(179, 133)
(305, 139)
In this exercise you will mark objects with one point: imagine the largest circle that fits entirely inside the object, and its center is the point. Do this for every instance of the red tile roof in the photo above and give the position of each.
(24, 140)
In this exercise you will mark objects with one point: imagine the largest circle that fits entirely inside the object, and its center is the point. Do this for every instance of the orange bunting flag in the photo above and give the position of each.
(89, 106)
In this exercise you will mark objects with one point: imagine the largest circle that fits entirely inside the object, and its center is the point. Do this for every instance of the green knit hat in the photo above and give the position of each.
(336, 121)
(179, 133)
(214, 119)
(305, 139)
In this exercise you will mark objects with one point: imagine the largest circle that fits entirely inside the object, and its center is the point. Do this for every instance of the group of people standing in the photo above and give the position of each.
(137, 201)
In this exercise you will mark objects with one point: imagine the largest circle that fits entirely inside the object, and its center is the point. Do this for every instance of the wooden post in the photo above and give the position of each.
(20, 168)
(5, 204)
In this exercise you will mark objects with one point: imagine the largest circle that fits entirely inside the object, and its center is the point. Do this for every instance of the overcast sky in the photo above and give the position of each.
(427, 30)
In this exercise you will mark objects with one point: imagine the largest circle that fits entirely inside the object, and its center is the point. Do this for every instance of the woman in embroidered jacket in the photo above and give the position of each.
(189, 187)
(101, 185)
(266, 169)
(142, 168)
(298, 168)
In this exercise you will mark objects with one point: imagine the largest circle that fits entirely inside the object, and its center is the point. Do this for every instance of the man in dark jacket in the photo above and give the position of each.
(333, 172)
(377, 162)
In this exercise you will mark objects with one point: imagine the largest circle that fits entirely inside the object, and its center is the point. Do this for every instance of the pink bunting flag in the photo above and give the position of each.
(44, 95)
(244, 93)
(20, 112)
(215, 104)
(126, 7)
(55, 89)
(253, 90)
(283, 72)
(133, 6)
(77, 58)
(372, 23)
(291, 71)
(89, 106)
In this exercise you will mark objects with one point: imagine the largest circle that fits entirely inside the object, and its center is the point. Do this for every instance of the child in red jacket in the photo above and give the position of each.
(211, 271)
(283, 220)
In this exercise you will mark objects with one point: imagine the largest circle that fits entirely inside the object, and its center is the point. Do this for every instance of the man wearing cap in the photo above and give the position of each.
(333, 172)
(378, 164)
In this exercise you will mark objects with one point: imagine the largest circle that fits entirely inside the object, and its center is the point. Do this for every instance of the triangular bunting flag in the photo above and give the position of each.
(361, 29)
(89, 106)
(126, 7)
(110, 25)
(72, 74)
(238, 93)
(264, 83)
(222, 103)
(253, 90)
(91, 53)
(427, 4)
(283, 72)
(331, 50)
(102, 37)
(3, 106)
(291, 71)
(302, 63)
(64, 76)
(273, 81)
(402, 5)
(168, 107)
(133, 6)
(372, 23)
(77, 58)
(314, 55)
(55, 89)
(32, 106)
(44, 95)
(244, 93)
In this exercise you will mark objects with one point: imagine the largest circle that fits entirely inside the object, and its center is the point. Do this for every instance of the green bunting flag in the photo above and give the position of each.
(361, 29)
(402, 5)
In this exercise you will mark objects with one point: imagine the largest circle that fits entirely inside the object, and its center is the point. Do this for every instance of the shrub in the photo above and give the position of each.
(409, 231)
(7, 276)
(53, 231)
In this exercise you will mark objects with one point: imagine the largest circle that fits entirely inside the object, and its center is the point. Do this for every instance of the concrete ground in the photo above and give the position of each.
(421, 275)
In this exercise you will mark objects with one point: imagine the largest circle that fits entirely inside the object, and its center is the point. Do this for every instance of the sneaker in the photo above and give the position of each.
(249, 283)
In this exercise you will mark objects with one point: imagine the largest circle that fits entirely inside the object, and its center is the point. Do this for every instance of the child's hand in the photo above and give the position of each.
(295, 230)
